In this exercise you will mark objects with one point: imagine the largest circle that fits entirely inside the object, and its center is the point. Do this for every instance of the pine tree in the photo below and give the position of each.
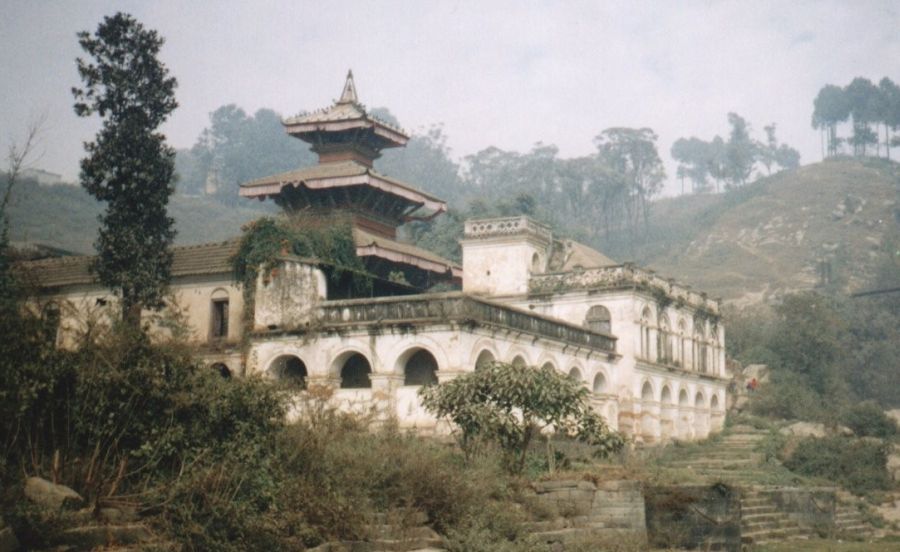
(129, 165)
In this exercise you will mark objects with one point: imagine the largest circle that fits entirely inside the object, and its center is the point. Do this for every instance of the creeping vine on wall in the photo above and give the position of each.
(266, 239)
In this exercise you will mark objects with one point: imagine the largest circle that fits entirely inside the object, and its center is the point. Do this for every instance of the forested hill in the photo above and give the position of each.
(65, 216)
(832, 223)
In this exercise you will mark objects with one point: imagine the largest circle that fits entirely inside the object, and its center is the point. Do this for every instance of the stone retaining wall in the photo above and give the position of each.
(583, 510)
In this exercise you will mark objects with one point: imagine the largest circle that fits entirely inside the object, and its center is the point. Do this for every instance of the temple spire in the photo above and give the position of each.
(349, 93)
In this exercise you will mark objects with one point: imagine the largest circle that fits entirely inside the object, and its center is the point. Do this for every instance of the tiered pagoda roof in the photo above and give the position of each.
(344, 186)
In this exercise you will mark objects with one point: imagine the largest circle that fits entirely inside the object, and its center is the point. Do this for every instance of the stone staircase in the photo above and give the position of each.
(733, 459)
(763, 523)
(848, 520)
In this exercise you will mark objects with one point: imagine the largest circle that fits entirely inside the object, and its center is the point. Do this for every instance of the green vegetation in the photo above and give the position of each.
(510, 405)
(129, 166)
(855, 464)
(865, 104)
(733, 161)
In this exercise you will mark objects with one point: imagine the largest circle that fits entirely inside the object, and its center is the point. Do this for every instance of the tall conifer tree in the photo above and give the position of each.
(129, 165)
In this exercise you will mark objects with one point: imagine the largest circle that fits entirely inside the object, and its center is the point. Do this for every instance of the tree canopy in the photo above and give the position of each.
(868, 107)
(129, 165)
(510, 405)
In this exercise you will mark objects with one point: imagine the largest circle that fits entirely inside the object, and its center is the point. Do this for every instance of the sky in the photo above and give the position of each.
(494, 73)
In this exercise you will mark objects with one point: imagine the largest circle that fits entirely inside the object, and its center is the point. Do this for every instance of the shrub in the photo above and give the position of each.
(867, 419)
(510, 405)
(859, 465)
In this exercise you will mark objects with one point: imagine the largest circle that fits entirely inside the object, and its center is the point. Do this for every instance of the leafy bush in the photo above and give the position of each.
(859, 465)
(510, 405)
(867, 419)
(125, 417)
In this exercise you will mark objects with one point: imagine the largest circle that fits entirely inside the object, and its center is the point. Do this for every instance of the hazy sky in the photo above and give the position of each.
(507, 74)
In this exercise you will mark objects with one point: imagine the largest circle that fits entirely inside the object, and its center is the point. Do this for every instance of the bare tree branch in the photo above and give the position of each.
(17, 157)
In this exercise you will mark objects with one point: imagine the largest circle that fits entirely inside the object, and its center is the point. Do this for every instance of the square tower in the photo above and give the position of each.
(501, 254)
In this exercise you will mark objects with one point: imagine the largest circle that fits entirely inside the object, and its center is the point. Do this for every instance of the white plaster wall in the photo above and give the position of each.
(500, 266)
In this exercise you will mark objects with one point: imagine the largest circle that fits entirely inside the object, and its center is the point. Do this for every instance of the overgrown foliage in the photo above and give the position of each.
(510, 405)
(856, 464)
(129, 166)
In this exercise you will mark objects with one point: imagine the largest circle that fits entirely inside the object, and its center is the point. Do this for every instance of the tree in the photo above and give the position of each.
(693, 155)
(771, 153)
(511, 405)
(830, 108)
(740, 151)
(129, 165)
(862, 97)
(631, 152)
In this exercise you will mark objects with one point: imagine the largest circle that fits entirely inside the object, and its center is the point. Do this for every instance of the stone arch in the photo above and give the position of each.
(519, 361)
(647, 392)
(222, 369)
(667, 413)
(684, 427)
(646, 332)
(714, 403)
(664, 341)
(598, 319)
(536, 267)
(484, 358)
(354, 369)
(575, 374)
(683, 398)
(418, 366)
(666, 395)
(650, 427)
(600, 383)
(682, 347)
(290, 369)
(701, 416)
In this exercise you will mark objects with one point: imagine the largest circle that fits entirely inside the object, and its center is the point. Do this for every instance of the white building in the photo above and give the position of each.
(650, 351)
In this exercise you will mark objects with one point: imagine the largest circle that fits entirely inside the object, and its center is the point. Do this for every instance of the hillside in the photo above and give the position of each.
(786, 232)
(65, 216)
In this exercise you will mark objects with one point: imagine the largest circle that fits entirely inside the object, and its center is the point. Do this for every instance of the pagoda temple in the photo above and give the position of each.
(344, 187)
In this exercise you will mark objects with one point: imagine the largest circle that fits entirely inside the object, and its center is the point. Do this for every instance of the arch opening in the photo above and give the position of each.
(289, 369)
(519, 361)
(484, 358)
(222, 369)
(600, 383)
(575, 374)
(356, 372)
(598, 319)
(420, 369)
(647, 392)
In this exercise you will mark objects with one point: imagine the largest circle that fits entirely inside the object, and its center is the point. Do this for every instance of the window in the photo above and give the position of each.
(598, 319)
(646, 321)
(220, 318)
(664, 342)
(420, 369)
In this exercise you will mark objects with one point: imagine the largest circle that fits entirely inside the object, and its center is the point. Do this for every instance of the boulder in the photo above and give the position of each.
(893, 463)
(894, 415)
(804, 429)
(50, 495)
(758, 371)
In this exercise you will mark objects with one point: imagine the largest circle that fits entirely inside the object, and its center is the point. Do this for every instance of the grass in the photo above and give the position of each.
(887, 544)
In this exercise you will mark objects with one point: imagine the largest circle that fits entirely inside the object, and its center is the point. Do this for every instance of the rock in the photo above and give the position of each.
(845, 431)
(804, 429)
(894, 415)
(893, 464)
(50, 495)
(96, 536)
(758, 371)
(8, 540)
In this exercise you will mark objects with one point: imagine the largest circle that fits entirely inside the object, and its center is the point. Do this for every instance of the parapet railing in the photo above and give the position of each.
(457, 307)
(621, 276)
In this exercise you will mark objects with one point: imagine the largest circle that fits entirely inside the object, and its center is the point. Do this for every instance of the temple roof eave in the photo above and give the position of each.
(322, 177)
